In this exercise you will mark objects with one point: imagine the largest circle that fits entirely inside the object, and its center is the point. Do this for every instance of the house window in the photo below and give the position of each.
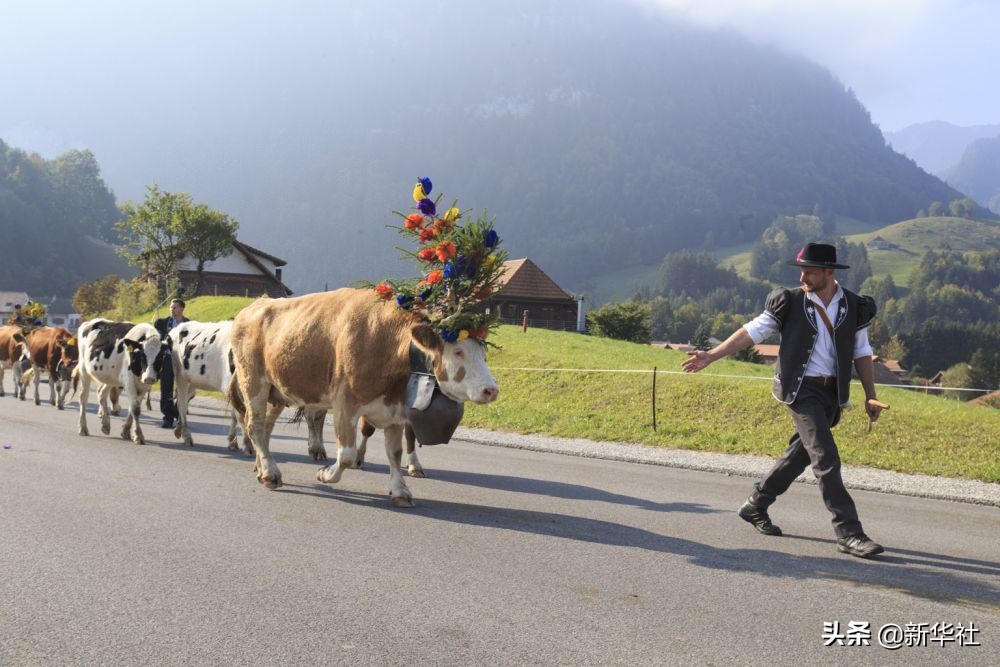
(277, 274)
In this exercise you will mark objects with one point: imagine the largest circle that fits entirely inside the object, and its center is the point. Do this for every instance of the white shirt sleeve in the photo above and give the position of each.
(763, 326)
(862, 348)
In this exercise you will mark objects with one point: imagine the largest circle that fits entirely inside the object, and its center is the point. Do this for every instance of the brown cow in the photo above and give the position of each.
(53, 349)
(346, 351)
(11, 339)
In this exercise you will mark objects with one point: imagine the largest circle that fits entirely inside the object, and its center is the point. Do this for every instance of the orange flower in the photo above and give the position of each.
(427, 234)
(427, 254)
(384, 291)
(446, 251)
(414, 221)
(434, 277)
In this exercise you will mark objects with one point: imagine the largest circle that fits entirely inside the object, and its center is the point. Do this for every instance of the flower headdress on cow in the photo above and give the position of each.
(28, 315)
(461, 265)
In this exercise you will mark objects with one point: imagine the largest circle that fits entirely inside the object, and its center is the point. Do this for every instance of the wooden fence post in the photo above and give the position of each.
(524, 322)
(654, 398)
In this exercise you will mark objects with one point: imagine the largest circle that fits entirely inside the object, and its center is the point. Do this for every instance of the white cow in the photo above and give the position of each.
(202, 358)
(118, 354)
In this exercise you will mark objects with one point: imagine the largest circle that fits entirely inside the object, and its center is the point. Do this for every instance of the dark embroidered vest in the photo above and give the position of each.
(799, 324)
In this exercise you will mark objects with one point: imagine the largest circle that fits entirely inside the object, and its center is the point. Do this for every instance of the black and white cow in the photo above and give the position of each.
(118, 354)
(202, 358)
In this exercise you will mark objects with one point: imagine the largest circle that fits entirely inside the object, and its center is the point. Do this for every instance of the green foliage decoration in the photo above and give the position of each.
(461, 264)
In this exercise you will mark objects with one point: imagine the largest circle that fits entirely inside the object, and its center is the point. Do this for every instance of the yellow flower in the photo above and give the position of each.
(452, 214)
(418, 192)
(463, 334)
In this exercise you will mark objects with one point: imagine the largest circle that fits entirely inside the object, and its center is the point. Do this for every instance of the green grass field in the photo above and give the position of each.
(577, 386)
(711, 412)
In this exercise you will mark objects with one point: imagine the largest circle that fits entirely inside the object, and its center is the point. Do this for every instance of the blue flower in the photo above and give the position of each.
(404, 300)
(449, 335)
(491, 238)
(449, 270)
(426, 293)
(426, 183)
(426, 206)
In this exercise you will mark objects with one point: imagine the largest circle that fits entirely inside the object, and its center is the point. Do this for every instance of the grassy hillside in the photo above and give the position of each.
(915, 237)
(551, 383)
(202, 309)
(711, 412)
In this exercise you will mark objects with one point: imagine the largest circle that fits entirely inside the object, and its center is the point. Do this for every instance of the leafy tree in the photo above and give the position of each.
(962, 208)
(661, 315)
(97, 297)
(957, 376)
(700, 339)
(133, 297)
(209, 235)
(629, 320)
(165, 228)
(687, 273)
(894, 349)
(984, 369)
(880, 289)
(935, 210)
(749, 354)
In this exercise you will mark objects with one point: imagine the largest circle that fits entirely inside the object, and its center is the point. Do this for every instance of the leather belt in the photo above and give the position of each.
(821, 380)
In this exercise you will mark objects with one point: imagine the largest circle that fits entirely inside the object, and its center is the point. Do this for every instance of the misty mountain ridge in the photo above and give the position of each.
(938, 146)
(978, 172)
(600, 134)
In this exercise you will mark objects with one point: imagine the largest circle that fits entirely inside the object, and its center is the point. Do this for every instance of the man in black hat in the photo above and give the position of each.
(823, 328)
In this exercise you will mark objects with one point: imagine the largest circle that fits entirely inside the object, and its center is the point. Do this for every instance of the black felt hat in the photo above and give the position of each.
(820, 255)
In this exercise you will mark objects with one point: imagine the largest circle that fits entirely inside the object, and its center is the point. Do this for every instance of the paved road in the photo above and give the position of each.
(117, 554)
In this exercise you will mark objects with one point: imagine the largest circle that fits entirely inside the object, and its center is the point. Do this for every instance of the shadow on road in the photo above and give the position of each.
(550, 488)
(922, 575)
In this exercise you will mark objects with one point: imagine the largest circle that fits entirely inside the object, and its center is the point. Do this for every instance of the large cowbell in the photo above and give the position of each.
(432, 415)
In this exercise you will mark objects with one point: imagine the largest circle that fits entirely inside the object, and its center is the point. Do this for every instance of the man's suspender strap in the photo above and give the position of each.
(826, 321)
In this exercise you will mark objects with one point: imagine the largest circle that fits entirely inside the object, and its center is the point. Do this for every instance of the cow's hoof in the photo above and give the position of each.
(271, 483)
(126, 435)
(319, 455)
(83, 432)
(139, 441)
(106, 429)
(189, 442)
(403, 503)
(415, 471)
(178, 432)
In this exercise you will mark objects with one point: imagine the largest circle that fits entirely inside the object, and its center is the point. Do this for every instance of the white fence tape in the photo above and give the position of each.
(915, 387)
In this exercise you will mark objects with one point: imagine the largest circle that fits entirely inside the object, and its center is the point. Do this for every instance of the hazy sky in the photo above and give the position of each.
(908, 61)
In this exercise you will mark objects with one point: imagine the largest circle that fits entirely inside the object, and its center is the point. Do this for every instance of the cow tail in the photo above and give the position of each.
(297, 417)
(76, 381)
(235, 397)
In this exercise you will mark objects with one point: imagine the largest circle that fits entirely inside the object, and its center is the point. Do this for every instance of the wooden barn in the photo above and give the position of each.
(525, 287)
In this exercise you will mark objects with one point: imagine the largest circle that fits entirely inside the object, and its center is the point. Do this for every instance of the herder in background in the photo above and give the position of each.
(163, 325)
(823, 328)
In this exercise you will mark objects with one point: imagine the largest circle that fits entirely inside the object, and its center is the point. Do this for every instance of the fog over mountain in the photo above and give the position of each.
(937, 146)
(600, 133)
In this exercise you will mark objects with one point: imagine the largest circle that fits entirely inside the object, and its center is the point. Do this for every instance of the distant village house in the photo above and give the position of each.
(247, 271)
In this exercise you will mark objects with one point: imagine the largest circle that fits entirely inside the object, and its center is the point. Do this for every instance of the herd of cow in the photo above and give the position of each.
(345, 352)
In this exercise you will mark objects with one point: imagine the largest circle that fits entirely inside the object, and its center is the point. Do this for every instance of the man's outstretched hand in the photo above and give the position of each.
(696, 361)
